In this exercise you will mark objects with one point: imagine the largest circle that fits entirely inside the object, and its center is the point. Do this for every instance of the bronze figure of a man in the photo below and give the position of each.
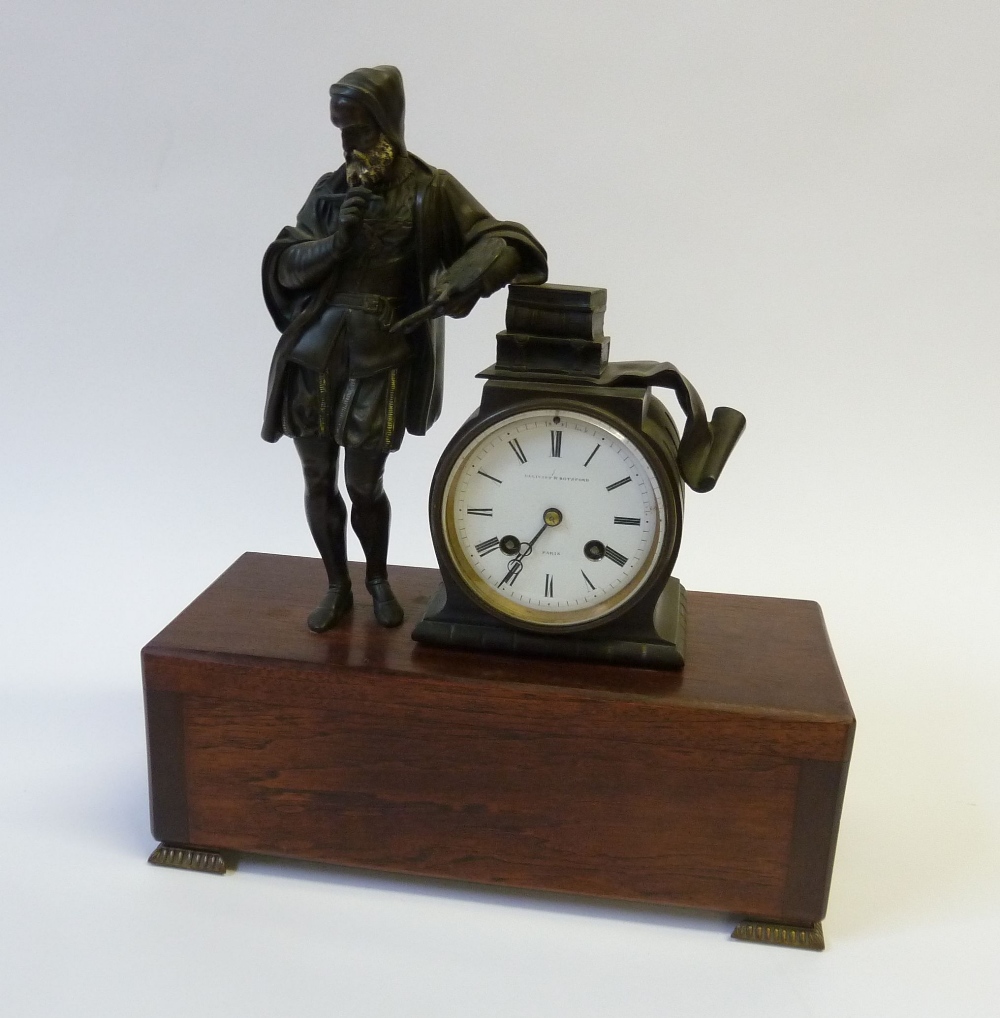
(379, 239)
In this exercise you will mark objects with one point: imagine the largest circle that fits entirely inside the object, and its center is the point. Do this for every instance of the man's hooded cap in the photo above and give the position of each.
(379, 90)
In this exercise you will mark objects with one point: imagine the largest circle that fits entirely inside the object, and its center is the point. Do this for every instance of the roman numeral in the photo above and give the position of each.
(618, 484)
(548, 586)
(490, 476)
(518, 451)
(616, 556)
(586, 462)
(628, 521)
(485, 547)
(556, 442)
(479, 512)
(587, 578)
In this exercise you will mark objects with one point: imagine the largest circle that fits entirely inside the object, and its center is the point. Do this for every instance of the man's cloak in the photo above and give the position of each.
(448, 221)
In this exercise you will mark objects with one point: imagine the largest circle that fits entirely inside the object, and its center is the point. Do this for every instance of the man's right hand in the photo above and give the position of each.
(307, 263)
(352, 209)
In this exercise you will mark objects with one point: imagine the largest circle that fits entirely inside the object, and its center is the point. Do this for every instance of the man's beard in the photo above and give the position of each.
(365, 169)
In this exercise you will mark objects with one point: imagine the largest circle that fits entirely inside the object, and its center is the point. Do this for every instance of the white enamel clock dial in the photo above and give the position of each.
(553, 518)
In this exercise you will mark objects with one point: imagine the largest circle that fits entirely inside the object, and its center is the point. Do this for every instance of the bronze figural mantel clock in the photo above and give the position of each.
(556, 514)
(556, 509)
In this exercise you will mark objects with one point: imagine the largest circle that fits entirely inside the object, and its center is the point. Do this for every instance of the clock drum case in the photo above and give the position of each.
(556, 510)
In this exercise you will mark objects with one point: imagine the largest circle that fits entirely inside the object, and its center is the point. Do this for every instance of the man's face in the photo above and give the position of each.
(358, 131)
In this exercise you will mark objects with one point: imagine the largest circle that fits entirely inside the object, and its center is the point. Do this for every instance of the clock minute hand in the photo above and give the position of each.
(516, 563)
(512, 570)
(531, 543)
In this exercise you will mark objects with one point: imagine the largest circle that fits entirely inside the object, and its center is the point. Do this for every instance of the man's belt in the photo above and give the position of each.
(373, 303)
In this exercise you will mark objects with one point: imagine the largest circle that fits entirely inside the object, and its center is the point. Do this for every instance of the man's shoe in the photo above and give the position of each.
(388, 612)
(336, 603)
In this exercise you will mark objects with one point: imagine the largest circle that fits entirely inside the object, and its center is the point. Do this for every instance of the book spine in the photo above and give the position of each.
(551, 353)
(549, 322)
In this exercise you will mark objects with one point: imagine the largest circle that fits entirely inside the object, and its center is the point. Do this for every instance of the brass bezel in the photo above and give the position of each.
(525, 616)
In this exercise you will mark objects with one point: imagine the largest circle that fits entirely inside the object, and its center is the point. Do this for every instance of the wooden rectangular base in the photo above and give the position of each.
(718, 787)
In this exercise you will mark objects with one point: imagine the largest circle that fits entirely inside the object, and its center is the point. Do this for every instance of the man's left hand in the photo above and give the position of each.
(448, 302)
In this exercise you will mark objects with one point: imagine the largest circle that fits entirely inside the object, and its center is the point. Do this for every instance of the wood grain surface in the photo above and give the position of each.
(718, 787)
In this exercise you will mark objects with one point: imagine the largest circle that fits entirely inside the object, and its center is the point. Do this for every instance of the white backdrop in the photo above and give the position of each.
(795, 203)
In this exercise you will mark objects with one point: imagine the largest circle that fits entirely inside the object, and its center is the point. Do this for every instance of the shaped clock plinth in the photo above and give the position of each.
(451, 620)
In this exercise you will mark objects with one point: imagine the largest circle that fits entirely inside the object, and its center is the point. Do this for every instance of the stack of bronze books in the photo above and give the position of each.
(554, 329)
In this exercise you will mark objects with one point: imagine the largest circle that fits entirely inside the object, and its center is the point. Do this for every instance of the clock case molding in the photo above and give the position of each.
(572, 373)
